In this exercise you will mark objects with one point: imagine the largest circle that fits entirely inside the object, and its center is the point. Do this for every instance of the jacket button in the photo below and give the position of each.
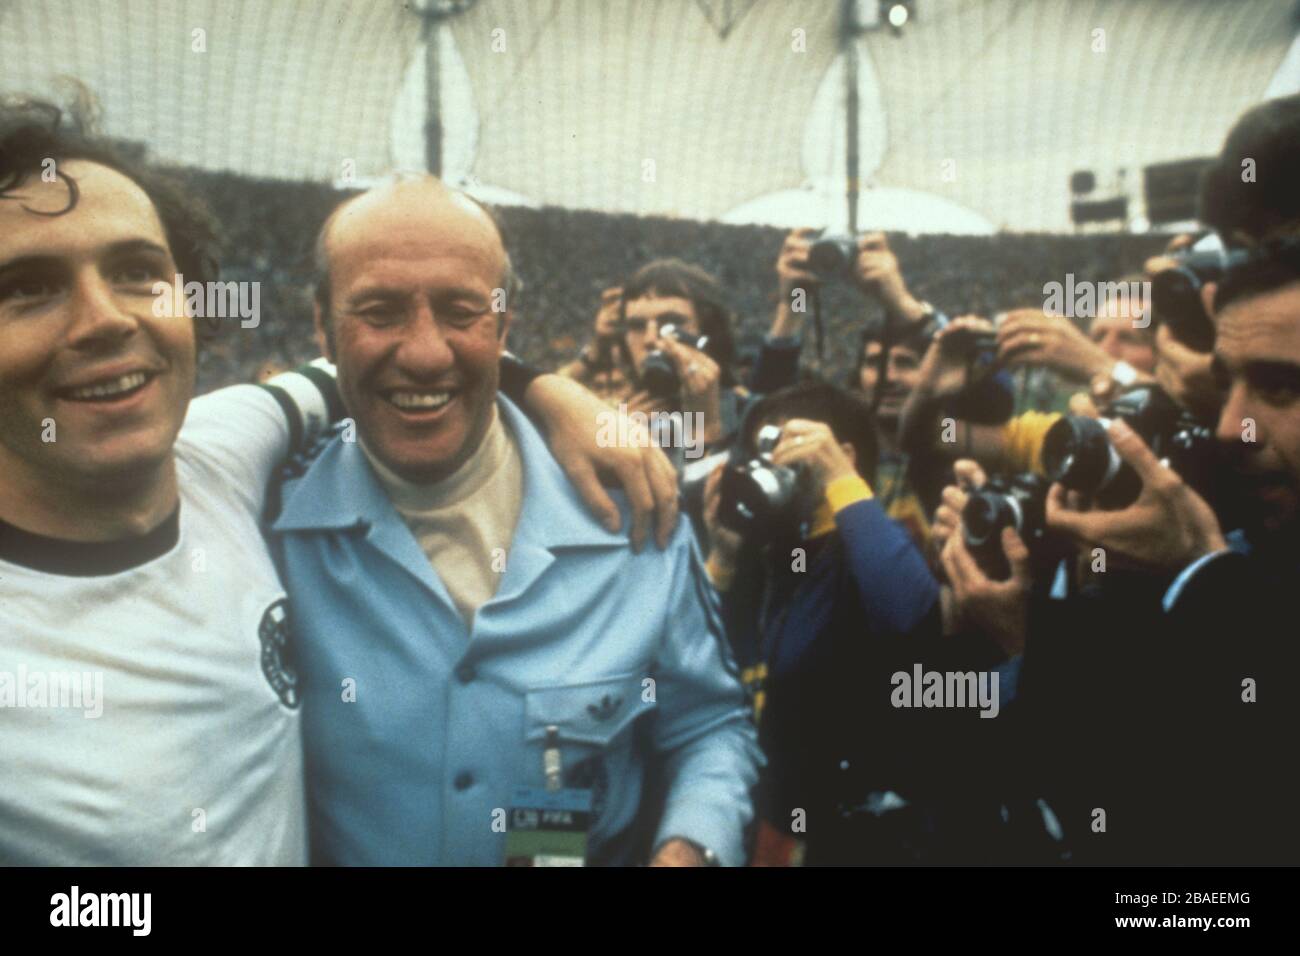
(465, 673)
(464, 781)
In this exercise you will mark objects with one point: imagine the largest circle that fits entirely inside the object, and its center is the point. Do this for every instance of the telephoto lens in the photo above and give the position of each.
(761, 500)
(832, 255)
(658, 373)
(1017, 502)
(1176, 293)
(1077, 451)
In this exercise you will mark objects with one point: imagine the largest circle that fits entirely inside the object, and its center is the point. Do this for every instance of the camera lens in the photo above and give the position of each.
(833, 255)
(760, 501)
(1176, 299)
(1076, 452)
(659, 376)
(986, 514)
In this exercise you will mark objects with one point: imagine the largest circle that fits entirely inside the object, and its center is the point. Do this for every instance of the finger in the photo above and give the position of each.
(968, 573)
(949, 563)
(969, 473)
(1018, 315)
(1081, 526)
(1019, 342)
(801, 431)
(954, 499)
(1081, 404)
(583, 477)
(945, 522)
(676, 352)
(1017, 554)
(1207, 297)
(641, 402)
(1134, 451)
(802, 426)
(637, 487)
(1157, 264)
(663, 487)
(974, 322)
(791, 452)
(1021, 321)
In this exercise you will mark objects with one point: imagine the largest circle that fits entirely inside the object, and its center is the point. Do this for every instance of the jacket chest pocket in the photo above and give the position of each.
(594, 742)
(597, 714)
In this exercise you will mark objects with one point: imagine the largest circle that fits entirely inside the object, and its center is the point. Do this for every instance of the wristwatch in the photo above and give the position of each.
(932, 321)
(1120, 377)
(1123, 374)
(708, 856)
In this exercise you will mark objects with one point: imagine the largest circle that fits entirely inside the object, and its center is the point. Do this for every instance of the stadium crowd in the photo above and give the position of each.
(566, 257)
(960, 578)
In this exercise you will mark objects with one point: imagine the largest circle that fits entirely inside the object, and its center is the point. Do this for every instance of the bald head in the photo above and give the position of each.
(408, 213)
(416, 322)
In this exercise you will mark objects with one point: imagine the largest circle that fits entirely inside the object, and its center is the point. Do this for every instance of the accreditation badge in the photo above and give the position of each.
(548, 827)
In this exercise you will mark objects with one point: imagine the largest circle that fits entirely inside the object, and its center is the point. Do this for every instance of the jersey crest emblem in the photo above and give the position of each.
(277, 653)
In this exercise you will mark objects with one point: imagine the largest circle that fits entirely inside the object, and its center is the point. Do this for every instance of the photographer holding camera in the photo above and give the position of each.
(1167, 704)
(825, 597)
(1114, 350)
(677, 340)
(888, 354)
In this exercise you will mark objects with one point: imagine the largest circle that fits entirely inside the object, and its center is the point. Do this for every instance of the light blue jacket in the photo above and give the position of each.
(623, 653)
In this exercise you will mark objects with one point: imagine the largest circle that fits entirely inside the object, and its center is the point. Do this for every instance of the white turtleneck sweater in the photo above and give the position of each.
(462, 520)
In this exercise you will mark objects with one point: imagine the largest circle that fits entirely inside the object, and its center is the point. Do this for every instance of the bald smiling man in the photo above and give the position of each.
(483, 686)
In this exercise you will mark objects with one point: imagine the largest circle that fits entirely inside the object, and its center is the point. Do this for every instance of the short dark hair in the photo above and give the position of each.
(847, 415)
(915, 338)
(1274, 265)
(1269, 136)
(675, 278)
(33, 131)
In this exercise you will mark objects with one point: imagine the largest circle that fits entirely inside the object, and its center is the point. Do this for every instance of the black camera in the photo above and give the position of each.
(658, 374)
(832, 255)
(1176, 293)
(1077, 451)
(761, 500)
(980, 348)
(1018, 502)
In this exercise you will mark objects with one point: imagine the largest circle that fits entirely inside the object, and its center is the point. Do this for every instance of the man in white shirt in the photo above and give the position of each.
(148, 694)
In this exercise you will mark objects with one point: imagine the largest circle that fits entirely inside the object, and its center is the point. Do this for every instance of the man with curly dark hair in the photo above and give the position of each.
(148, 692)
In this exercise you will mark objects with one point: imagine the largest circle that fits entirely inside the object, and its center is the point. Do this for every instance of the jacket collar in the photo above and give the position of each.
(339, 491)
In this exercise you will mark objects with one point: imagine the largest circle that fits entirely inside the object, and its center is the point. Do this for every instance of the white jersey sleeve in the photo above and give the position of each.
(244, 432)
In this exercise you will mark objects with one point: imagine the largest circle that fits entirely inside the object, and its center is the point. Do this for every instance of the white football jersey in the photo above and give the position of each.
(148, 698)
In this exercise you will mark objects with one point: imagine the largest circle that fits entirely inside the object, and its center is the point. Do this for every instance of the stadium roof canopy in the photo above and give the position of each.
(971, 120)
